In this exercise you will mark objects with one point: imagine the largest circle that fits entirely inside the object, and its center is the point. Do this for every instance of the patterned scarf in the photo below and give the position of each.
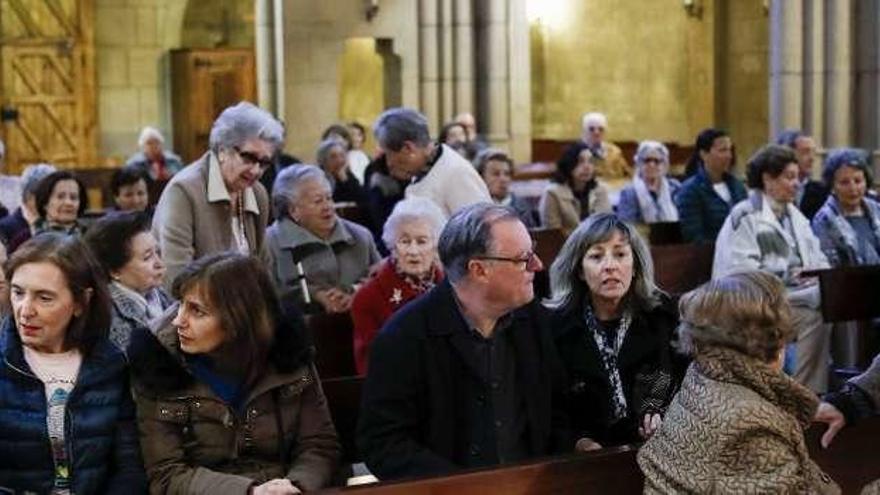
(609, 341)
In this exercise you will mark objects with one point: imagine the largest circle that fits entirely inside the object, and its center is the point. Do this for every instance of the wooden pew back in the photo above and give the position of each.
(679, 268)
(332, 335)
(852, 461)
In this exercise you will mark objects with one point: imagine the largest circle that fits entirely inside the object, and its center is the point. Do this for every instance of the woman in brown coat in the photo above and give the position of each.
(228, 398)
(736, 425)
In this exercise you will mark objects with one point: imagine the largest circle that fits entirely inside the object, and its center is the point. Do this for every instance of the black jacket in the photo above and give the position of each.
(414, 415)
(649, 371)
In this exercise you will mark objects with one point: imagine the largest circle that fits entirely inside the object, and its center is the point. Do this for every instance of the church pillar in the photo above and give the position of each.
(814, 70)
(429, 62)
(839, 74)
(786, 64)
(463, 31)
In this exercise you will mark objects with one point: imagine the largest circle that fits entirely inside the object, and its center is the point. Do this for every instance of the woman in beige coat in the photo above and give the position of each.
(228, 398)
(736, 425)
(574, 192)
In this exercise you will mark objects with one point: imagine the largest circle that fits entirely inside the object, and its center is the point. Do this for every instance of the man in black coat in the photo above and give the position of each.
(466, 375)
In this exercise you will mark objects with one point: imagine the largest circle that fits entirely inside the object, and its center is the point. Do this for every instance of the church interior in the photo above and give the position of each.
(82, 80)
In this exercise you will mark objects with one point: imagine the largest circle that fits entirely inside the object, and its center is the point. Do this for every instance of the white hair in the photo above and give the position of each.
(148, 133)
(594, 118)
(415, 209)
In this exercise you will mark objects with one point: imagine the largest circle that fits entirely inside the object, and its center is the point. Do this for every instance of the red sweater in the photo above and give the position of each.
(374, 303)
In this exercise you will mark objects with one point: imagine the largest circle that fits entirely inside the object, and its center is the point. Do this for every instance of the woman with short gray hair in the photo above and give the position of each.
(217, 204)
(649, 199)
(613, 331)
(308, 241)
(413, 268)
(848, 225)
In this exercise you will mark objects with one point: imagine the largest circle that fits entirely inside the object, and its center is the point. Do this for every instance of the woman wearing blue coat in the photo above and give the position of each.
(66, 415)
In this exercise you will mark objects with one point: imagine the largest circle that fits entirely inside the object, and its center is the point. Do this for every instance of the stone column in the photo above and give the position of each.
(839, 73)
(814, 70)
(786, 64)
(429, 62)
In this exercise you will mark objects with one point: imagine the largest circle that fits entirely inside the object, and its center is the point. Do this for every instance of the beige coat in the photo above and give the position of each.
(561, 210)
(189, 224)
(736, 426)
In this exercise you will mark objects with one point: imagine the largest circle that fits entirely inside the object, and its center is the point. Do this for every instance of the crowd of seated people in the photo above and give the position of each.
(175, 340)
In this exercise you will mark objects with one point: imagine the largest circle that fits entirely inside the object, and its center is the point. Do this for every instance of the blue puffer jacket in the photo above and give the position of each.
(701, 210)
(101, 436)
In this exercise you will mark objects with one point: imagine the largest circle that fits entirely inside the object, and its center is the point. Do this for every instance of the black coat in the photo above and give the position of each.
(413, 418)
(648, 365)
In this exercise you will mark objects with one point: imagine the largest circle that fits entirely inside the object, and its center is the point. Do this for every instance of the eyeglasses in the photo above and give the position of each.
(250, 158)
(529, 262)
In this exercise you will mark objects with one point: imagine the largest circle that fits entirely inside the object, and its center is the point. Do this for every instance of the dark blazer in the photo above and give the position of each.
(701, 210)
(101, 437)
(414, 412)
(647, 366)
(815, 194)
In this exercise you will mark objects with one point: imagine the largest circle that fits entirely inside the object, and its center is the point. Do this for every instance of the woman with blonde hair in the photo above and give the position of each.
(736, 425)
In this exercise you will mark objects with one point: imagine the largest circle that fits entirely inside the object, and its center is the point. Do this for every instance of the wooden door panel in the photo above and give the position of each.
(47, 81)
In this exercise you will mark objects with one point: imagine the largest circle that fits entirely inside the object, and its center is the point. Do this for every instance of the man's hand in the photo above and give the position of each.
(831, 415)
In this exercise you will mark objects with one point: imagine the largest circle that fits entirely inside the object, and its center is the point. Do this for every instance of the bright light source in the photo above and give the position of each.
(547, 12)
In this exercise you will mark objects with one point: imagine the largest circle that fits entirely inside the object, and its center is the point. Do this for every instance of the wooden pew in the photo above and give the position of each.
(852, 293)
(344, 399)
(332, 335)
(852, 461)
(679, 268)
(548, 242)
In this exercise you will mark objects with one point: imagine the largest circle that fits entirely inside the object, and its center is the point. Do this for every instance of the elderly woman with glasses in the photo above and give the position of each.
(613, 331)
(737, 424)
(217, 204)
(333, 253)
(411, 232)
(848, 224)
(649, 199)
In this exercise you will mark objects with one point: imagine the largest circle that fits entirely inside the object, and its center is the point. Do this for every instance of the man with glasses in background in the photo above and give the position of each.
(607, 157)
(466, 375)
(217, 203)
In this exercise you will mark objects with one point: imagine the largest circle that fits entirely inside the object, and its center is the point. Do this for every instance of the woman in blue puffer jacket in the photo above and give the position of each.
(66, 414)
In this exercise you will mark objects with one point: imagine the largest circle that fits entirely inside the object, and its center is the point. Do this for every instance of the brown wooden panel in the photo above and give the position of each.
(204, 82)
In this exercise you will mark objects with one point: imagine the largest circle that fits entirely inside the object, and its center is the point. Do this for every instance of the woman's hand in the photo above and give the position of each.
(831, 415)
(334, 300)
(586, 444)
(278, 486)
(649, 425)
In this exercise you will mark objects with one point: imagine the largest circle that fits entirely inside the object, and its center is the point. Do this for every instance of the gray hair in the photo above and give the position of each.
(398, 125)
(415, 209)
(327, 145)
(489, 154)
(468, 235)
(566, 281)
(285, 189)
(646, 147)
(594, 118)
(846, 157)
(148, 133)
(31, 177)
(238, 123)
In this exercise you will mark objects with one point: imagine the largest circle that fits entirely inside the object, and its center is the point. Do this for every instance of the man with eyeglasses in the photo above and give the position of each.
(466, 375)
(607, 157)
(217, 204)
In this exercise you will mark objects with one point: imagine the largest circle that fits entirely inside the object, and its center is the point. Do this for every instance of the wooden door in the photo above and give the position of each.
(47, 90)
(204, 82)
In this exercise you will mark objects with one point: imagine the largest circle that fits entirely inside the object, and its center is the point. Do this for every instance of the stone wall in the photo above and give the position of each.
(132, 42)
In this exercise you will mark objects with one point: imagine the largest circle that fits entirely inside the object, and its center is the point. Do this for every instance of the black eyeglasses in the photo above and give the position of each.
(250, 158)
(530, 260)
